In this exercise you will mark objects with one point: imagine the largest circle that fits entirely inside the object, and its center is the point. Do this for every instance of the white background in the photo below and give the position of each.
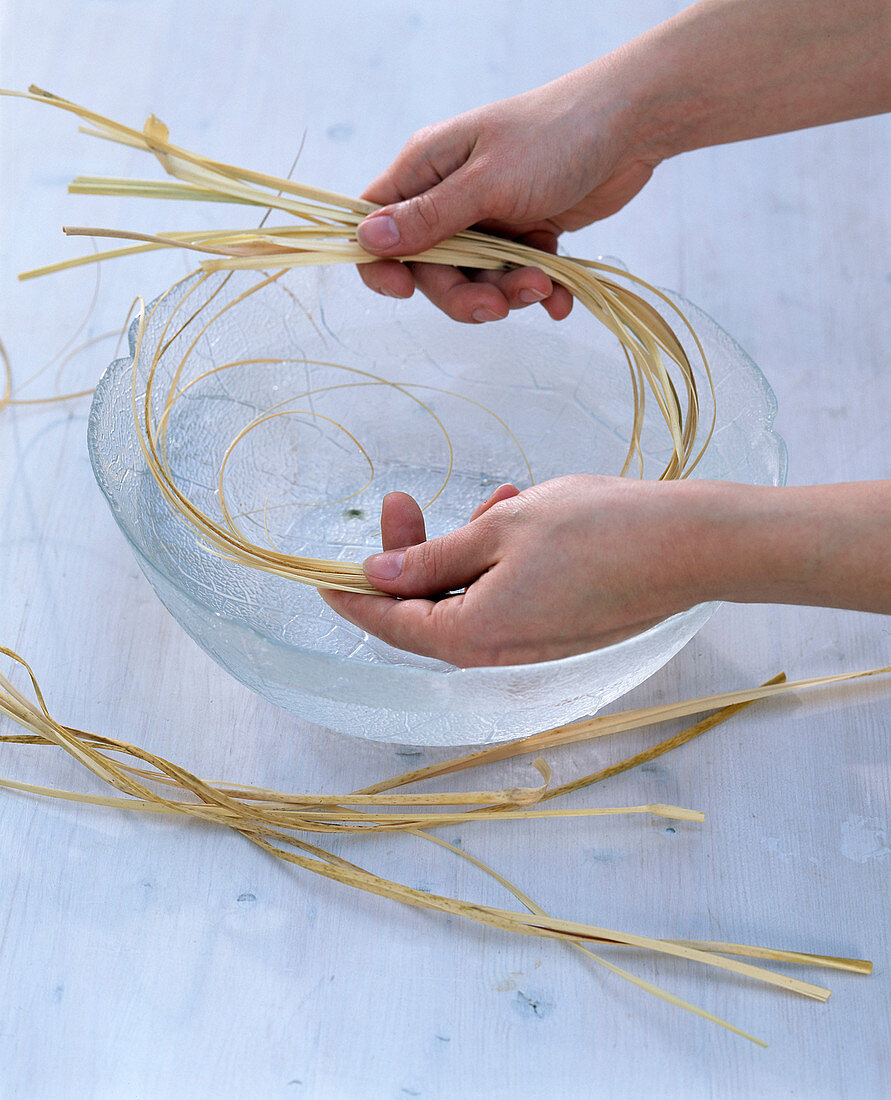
(143, 957)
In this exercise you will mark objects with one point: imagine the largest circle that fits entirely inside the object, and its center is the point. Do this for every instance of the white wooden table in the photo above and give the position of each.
(147, 958)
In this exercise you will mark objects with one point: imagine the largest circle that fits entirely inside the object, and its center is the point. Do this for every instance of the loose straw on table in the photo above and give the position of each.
(270, 818)
(70, 349)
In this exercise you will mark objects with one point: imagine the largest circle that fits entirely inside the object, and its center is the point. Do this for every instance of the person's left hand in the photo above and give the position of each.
(563, 567)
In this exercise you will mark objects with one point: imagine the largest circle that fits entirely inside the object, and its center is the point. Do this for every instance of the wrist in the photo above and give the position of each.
(642, 97)
(744, 551)
(608, 102)
(749, 543)
(824, 545)
(661, 106)
(738, 543)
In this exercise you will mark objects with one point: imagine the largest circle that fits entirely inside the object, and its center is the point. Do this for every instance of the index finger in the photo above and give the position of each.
(428, 627)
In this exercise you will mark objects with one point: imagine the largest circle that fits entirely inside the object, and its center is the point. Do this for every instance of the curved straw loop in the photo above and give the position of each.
(656, 357)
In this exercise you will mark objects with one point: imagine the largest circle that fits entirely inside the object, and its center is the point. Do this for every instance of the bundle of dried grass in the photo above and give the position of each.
(658, 363)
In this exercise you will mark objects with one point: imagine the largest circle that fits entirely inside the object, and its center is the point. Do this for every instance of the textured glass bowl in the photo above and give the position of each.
(478, 401)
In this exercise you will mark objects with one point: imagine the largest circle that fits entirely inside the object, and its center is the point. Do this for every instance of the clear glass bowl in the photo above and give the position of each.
(382, 395)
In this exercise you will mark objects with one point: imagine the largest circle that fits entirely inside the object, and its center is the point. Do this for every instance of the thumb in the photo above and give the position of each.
(453, 561)
(409, 227)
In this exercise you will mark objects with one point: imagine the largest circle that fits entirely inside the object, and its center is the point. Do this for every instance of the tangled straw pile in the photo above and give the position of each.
(325, 233)
(270, 819)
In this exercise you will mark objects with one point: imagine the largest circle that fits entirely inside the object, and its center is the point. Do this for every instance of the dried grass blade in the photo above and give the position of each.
(152, 189)
(626, 975)
(830, 962)
(7, 377)
(607, 725)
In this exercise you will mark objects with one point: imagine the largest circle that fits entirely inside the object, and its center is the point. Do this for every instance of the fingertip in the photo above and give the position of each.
(473, 303)
(431, 628)
(477, 303)
(402, 521)
(338, 601)
(526, 286)
(383, 569)
(528, 297)
(484, 314)
(503, 492)
(367, 612)
(521, 287)
(388, 278)
(379, 234)
(398, 496)
(559, 305)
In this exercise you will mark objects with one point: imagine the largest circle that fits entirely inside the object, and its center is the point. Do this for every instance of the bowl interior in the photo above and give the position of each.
(348, 396)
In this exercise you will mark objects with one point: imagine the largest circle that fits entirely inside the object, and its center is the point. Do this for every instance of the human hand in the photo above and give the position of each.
(577, 149)
(528, 168)
(567, 566)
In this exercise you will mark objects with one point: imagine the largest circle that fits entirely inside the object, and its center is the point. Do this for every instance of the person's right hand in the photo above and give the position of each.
(528, 168)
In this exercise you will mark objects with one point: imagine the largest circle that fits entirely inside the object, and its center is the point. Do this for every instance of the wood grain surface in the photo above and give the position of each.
(150, 958)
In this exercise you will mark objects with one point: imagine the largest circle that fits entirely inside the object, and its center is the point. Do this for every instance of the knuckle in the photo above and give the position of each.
(390, 626)
(370, 274)
(503, 518)
(421, 140)
(428, 562)
(425, 210)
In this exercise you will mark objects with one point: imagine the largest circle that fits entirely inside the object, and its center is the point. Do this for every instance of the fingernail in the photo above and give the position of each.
(377, 234)
(482, 315)
(529, 296)
(385, 567)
